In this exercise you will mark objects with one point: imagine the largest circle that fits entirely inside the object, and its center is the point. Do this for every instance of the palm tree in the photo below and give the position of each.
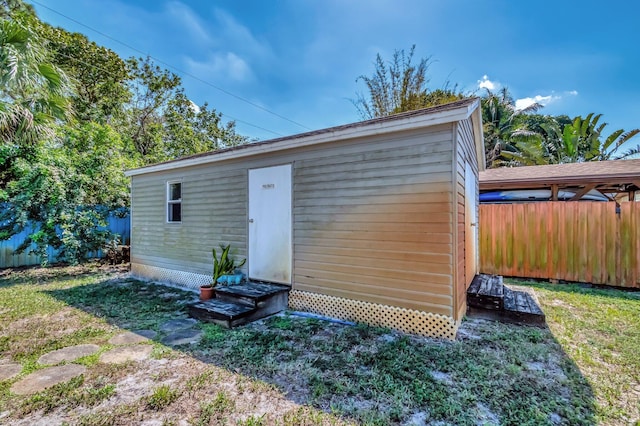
(583, 140)
(527, 148)
(499, 128)
(33, 92)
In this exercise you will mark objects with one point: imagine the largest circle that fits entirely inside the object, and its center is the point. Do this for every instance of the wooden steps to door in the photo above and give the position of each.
(486, 292)
(488, 297)
(240, 304)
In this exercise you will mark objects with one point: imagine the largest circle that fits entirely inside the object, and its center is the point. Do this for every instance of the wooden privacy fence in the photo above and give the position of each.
(572, 241)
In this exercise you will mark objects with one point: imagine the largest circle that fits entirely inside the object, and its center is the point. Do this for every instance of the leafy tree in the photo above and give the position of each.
(45, 186)
(96, 152)
(400, 86)
(99, 74)
(61, 175)
(152, 88)
(33, 92)
(162, 123)
(12, 8)
(190, 129)
(64, 197)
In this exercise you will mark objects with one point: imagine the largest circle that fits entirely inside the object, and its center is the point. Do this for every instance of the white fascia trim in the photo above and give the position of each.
(372, 129)
(478, 135)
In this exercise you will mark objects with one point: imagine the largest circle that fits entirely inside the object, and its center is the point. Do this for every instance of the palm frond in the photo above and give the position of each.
(629, 154)
(628, 135)
(524, 133)
(611, 139)
(534, 107)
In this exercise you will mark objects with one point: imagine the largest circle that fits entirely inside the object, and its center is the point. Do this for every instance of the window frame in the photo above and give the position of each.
(169, 202)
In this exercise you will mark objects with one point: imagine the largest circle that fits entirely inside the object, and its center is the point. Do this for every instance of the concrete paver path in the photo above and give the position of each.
(132, 337)
(182, 337)
(9, 370)
(47, 377)
(177, 324)
(70, 353)
(123, 354)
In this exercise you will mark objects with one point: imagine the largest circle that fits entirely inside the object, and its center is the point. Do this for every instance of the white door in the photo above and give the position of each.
(270, 224)
(471, 223)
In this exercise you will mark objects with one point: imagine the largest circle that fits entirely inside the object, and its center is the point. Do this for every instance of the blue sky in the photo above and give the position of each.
(301, 58)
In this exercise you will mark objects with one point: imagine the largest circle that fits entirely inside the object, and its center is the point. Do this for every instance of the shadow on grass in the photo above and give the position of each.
(493, 374)
(36, 275)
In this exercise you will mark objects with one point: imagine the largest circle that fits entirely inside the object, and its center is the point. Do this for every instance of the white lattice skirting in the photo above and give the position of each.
(405, 320)
(186, 279)
(402, 319)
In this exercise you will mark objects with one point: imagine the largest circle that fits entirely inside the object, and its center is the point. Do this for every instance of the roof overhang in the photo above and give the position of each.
(412, 120)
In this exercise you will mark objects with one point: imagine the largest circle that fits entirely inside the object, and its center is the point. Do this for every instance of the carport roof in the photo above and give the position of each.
(606, 176)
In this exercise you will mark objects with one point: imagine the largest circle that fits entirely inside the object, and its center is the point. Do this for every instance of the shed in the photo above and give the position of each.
(373, 221)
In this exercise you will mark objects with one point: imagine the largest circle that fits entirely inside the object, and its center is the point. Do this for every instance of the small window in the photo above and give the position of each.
(174, 201)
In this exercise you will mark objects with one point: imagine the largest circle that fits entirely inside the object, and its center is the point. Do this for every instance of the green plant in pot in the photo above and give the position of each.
(223, 265)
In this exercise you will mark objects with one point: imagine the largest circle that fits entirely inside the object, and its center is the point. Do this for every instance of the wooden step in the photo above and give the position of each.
(521, 307)
(242, 303)
(486, 292)
(489, 298)
(226, 314)
(254, 294)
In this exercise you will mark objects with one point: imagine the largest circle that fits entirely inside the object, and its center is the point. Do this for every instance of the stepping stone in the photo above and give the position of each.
(177, 324)
(47, 377)
(124, 354)
(70, 353)
(182, 337)
(132, 337)
(9, 370)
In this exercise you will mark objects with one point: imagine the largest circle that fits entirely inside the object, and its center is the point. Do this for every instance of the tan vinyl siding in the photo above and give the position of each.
(375, 225)
(466, 152)
(213, 212)
(372, 217)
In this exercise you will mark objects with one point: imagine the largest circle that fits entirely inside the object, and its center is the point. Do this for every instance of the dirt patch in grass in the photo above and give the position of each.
(290, 370)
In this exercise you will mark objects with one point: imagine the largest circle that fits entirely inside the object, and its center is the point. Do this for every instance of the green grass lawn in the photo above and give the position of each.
(289, 370)
(599, 329)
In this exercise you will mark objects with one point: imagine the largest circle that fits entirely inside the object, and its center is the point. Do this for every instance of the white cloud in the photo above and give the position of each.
(572, 93)
(485, 83)
(182, 14)
(227, 65)
(232, 32)
(195, 108)
(537, 99)
(232, 51)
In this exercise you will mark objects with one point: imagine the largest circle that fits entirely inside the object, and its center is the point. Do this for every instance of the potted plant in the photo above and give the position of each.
(223, 266)
(206, 292)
